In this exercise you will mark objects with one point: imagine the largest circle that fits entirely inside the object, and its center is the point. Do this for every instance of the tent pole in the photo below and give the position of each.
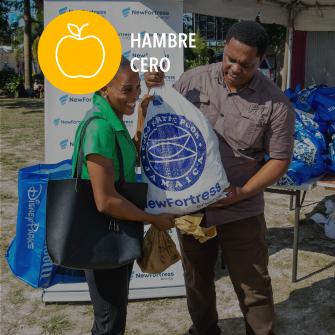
(290, 30)
(289, 57)
(284, 69)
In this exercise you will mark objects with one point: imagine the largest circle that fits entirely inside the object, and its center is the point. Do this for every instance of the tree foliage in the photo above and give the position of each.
(5, 28)
(198, 55)
(31, 11)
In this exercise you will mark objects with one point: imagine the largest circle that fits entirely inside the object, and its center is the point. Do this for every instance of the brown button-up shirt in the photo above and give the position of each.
(253, 123)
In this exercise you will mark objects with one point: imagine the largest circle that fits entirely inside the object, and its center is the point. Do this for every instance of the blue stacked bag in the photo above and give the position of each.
(301, 99)
(331, 156)
(27, 255)
(315, 123)
(318, 100)
(309, 146)
(323, 103)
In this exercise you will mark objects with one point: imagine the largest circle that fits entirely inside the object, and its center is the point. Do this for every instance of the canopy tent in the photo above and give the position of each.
(307, 15)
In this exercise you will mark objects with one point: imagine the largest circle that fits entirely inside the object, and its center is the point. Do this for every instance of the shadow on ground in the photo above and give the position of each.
(296, 315)
(311, 239)
(34, 105)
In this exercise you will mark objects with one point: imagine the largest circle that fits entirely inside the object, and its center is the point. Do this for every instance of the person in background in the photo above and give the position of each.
(253, 120)
(109, 288)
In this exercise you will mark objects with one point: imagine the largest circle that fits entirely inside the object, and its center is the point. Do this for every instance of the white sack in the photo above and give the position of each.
(180, 156)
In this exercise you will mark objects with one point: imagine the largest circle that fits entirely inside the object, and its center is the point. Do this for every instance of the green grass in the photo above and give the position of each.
(56, 325)
(22, 134)
(6, 196)
(13, 162)
(16, 296)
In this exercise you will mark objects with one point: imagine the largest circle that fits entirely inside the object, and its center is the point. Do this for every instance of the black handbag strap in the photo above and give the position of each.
(120, 159)
(80, 157)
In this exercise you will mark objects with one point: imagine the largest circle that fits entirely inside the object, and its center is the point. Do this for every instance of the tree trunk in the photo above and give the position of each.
(39, 5)
(27, 46)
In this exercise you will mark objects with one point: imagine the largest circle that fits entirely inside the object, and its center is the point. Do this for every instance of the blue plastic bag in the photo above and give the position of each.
(297, 174)
(308, 156)
(318, 100)
(27, 255)
(331, 128)
(330, 158)
(301, 99)
(313, 154)
(306, 124)
(323, 102)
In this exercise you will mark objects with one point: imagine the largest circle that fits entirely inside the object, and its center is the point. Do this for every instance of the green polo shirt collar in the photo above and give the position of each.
(108, 112)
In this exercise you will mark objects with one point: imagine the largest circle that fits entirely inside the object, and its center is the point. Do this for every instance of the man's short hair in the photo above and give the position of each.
(250, 33)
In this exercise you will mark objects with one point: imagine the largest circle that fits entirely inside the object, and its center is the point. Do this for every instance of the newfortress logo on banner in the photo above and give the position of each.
(161, 276)
(129, 54)
(65, 144)
(67, 9)
(61, 122)
(161, 14)
(66, 98)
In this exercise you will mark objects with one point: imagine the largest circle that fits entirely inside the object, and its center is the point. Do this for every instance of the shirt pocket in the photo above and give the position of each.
(198, 99)
(252, 125)
(207, 108)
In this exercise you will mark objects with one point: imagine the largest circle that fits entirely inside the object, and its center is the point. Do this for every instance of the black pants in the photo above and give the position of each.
(109, 296)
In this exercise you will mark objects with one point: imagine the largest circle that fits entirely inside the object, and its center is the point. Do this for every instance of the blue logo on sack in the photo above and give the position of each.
(125, 11)
(157, 100)
(63, 99)
(173, 151)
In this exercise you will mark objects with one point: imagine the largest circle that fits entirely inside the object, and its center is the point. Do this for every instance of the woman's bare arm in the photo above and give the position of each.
(110, 202)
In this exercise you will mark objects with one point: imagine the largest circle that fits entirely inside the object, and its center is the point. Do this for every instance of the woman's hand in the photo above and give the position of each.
(163, 221)
(110, 202)
(145, 103)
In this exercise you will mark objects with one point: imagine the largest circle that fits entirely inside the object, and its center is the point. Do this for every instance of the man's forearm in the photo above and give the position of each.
(266, 176)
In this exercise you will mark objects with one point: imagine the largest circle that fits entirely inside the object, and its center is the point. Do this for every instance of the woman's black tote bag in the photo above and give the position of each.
(80, 237)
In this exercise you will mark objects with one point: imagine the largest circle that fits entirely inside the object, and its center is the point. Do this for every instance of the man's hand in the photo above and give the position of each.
(154, 79)
(234, 194)
(270, 172)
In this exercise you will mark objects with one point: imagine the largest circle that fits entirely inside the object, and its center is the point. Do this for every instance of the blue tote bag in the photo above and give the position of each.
(27, 255)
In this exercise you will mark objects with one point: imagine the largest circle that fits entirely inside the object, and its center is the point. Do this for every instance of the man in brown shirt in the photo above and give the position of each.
(253, 121)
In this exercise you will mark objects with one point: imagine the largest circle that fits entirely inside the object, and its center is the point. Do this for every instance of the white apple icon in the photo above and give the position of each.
(76, 34)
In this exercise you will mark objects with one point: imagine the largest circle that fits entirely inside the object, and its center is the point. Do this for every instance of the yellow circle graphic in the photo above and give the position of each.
(79, 52)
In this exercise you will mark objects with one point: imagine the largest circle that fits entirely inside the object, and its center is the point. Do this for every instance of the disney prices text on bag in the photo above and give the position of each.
(180, 156)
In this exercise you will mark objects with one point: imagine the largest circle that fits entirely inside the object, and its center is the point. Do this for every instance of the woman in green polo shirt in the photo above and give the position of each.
(109, 288)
